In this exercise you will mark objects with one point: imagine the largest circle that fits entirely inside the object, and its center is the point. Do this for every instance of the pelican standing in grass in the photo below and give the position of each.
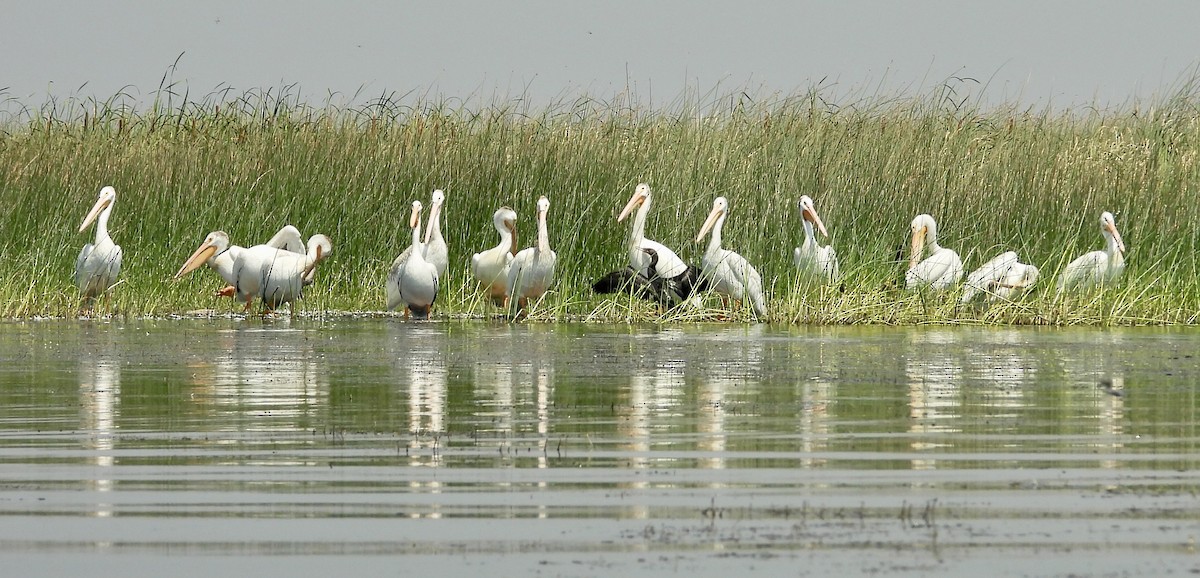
(941, 269)
(436, 251)
(812, 259)
(276, 276)
(491, 266)
(434, 248)
(99, 263)
(655, 271)
(1003, 277)
(730, 274)
(219, 255)
(1097, 267)
(413, 281)
(532, 270)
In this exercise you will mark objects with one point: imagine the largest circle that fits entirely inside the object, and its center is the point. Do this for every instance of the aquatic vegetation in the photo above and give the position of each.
(998, 180)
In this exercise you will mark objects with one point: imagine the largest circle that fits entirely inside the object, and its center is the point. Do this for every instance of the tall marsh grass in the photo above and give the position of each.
(1005, 178)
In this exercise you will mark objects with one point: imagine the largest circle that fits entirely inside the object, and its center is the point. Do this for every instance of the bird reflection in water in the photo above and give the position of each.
(265, 378)
(934, 392)
(99, 392)
(733, 367)
(817, 392)
(513, 370)
(426, 379)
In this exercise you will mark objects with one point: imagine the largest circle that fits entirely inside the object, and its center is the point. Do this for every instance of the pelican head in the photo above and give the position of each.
(543, 204)
(414, 220)
(505, 221)
(808, 212)
(720, 207)
(319, 248)
(435, 209)
(923, 228)
(1108, 226)
(108, 195)
(214, 244)
(641, 195)
(1031, 275)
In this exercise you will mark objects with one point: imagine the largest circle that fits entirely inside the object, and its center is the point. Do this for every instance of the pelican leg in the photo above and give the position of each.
(726, 308)
(520, 312)
(226, 291)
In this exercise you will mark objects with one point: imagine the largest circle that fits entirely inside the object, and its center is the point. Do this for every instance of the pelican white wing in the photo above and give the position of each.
(276, 276)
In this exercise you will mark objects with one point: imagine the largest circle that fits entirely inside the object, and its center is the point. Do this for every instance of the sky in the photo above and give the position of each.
(1033, 53)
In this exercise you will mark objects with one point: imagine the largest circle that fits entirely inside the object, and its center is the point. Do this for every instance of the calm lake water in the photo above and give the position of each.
(376, 446)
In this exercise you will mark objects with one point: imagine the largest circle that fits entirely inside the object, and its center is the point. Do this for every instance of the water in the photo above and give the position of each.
(378, 446)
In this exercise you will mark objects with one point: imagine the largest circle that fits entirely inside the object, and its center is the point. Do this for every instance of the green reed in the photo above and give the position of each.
(1005, 178)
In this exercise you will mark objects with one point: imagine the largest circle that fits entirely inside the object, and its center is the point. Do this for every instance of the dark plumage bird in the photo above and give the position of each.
(667, 291)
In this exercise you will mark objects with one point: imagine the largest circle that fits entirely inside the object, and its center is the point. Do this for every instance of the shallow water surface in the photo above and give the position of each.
(380, 446)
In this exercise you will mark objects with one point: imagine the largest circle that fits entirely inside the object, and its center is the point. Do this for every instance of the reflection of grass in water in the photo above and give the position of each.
(1031, 181)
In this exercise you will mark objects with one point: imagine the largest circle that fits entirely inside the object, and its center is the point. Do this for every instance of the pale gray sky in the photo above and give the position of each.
(1036, 52)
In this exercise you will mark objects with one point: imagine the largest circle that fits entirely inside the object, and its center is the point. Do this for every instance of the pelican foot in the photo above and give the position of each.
(226, 291)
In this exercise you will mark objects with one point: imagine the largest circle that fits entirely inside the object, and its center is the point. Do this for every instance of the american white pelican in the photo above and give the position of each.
(1003, 277)
(532, 270)
(655, 270)
(276, 276)
(491, 266)
(811, 258)
(289, 239)
(730, 274)
(413, 281)
(99, 263)
(219, 255)
(435, 246)
(1097, 267)
(941, 269)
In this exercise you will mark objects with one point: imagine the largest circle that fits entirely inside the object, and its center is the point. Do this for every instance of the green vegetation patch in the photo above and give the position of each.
(1003, 179)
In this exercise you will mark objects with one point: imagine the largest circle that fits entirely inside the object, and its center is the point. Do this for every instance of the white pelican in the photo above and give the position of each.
(491, 266)
(99, 263)
(1004, 277)
(289, 239)
(219, 255)
(532, 270)
(941, 269)
(276, 276)
(435, 246)
(1097, 267)
(811, 258)
(730, 274)
(653, 266)
(413, 281)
